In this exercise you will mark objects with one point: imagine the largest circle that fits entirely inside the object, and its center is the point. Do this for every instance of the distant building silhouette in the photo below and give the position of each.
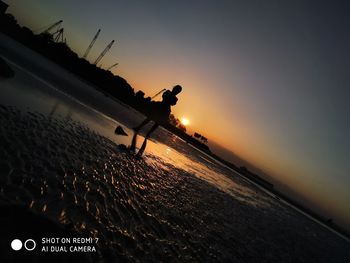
(200, 137)
(140, 95)
(182, 127)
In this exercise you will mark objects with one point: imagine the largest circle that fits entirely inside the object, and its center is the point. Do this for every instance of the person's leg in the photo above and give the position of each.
(144, 144)
(154, 127)
(133, 142)
(136, 131)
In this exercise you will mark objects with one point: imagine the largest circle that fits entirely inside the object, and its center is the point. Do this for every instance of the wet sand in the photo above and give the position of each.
(140, 210)
(5, 70)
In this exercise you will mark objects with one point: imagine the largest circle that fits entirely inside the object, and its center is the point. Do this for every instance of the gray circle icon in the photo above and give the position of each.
(29, 244)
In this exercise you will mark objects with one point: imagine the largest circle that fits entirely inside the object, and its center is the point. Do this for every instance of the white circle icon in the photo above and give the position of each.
(16, 244)
(29, 244)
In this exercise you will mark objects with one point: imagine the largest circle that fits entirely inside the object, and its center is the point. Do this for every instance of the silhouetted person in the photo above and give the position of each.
(160, 112)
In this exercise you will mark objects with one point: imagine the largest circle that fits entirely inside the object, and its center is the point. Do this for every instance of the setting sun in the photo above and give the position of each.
(185, 121)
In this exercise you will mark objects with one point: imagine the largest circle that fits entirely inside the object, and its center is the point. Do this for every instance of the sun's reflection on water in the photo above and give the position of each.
(160, 154)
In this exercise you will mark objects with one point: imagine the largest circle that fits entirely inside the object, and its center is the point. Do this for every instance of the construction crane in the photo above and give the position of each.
(57, 24)
(116, 64)
(103, 52)
(91, 44)
(58, 35)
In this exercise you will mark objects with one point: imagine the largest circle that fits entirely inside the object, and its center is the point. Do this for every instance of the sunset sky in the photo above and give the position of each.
(265, 79)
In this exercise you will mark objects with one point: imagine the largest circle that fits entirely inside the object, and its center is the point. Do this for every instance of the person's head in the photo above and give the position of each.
(177, 89)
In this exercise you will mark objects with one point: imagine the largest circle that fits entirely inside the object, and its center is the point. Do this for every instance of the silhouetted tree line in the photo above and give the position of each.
(116, 86)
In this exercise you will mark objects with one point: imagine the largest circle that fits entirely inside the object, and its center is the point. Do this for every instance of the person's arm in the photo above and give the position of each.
(166, 95)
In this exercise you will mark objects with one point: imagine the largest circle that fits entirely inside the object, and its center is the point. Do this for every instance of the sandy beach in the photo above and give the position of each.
(62, 165)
